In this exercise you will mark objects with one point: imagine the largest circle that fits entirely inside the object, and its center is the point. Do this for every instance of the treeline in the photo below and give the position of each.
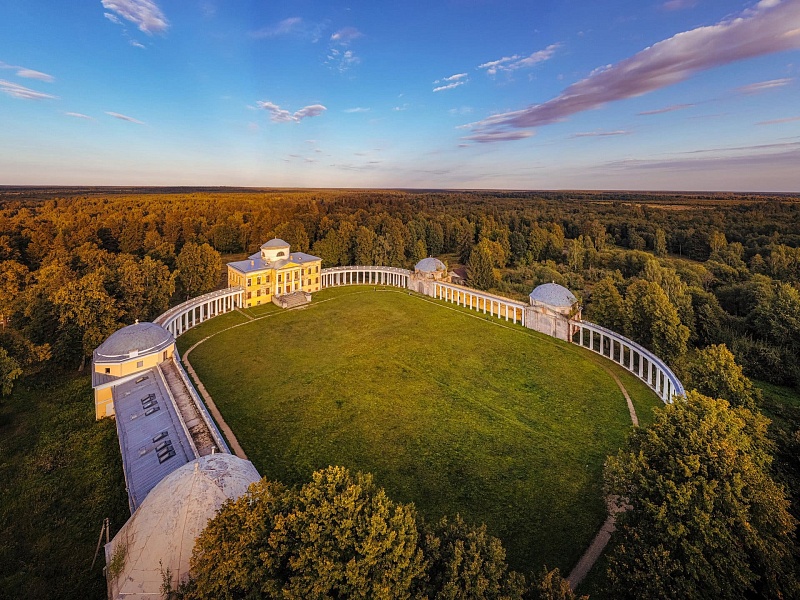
(672, 272)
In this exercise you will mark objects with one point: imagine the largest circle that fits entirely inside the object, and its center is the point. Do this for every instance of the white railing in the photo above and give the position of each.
(633, 357)
(490, 304)
(196, 310)
(356, 275)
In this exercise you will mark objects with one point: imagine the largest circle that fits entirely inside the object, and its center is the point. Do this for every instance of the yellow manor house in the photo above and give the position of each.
(274, 271)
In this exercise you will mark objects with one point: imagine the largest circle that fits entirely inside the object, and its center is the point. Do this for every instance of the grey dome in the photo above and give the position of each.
(429, 265)
(275, 243)
(553, 294)
(140, 338)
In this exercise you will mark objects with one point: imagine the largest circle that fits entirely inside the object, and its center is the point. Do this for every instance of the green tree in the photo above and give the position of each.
(480, 271)
(199, 268)
(10, 369)
(705, 518)
(713, 372)
(551, 586)
(364, 242)
(420, 251)
(13, 278)
(652, 320)
(338, 536)
(607, 308)
(660, 243)
(466, 563)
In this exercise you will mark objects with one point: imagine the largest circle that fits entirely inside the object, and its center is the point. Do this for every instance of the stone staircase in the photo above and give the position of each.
(292, 300)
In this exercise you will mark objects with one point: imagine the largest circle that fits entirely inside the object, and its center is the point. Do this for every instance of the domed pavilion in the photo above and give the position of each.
(552, 306)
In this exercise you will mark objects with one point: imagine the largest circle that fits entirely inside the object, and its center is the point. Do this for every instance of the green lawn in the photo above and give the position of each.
(60, 476)
(446, 408)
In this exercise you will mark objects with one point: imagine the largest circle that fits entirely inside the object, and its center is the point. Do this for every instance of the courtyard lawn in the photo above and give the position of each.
(447, 409)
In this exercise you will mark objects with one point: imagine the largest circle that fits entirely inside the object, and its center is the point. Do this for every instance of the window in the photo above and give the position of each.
(302, 271)
(280, 254)
(258, 303)
(140, 364)
(296, 275)
(316, 280)
(249, 295)
(108, 369)
(258, 280)
(258, 293)
(279, 289)
(279, 277)
(249, 281)
(267, 280)
(316, 269)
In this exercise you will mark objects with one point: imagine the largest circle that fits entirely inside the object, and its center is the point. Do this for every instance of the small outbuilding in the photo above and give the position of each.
(160, 535)
(428, 270)
(552, 306)
(125, 353)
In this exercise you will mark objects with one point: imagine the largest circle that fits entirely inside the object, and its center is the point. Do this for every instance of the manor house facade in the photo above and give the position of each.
(275, 271)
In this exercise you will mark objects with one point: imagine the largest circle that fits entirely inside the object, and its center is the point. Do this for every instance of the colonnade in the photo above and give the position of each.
(496, 306)
(196, 310)
(630, 355)
(393, 276)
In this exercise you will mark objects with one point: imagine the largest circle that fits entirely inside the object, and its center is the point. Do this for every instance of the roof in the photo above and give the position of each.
(143, 460)
(275, 243)
(160, 535)
(430, 265)
(256, 263)
(133, 340)
(553, 294)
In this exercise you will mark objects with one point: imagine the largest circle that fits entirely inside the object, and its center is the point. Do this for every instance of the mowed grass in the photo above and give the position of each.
(445, 407)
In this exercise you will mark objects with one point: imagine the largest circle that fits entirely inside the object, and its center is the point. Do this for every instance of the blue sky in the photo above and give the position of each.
(662, 95)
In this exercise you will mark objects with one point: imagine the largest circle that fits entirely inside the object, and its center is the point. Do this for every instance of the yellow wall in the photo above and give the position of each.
(304, 277)
(103, 397)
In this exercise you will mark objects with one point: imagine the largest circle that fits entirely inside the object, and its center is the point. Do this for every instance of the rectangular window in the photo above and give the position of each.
(140, 364)
(316, 280)
(279, 289)
(249, 295)
(280, 277)
(268, 279)
(302, 271)
(258, 293)
(258, 280)
(249, 281)
(316, 269)
(108, 370)
(296, 275)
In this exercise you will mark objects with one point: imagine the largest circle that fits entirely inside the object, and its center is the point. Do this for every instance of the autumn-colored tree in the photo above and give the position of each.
(705, 518)
(10, 369)
(364, 242)
(13, 278)
(199, 268)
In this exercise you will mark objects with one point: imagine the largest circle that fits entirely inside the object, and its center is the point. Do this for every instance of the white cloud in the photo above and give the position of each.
(342, 60)
(124, 118)
(78, 116)
(346, 35)
(600, 133)
(285, 27)
(497, 136)
(113, 18)
(449, 86)
(145, 14)
(136, 44)
(28, 73)
(280, 115)
(357, 109)
(455, 77)
(18, 91)
(755, 88)
(770, 27)
(512, 63)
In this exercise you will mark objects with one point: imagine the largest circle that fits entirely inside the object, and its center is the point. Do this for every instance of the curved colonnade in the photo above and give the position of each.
(625, 352)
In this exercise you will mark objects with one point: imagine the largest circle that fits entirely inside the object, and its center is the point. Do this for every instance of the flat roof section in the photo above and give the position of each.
(151, 437)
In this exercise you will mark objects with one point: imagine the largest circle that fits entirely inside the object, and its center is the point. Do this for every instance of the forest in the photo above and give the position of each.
(700, 279)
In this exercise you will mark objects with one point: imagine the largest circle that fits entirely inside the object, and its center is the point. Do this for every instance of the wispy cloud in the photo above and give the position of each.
(448, 83)
(346, 35)
(772, 26)
(678, 4)
(666, 109)
(124, 118)
(342, 60)
(145, 14)
(18, 91)
(280, 115)
(285, 27)
(761, 86)
(356, 109)
(78, 116)
(779, 121)
(585, 134)
(28, 73)
(487, 137)
(137, 44)
(517, 61)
